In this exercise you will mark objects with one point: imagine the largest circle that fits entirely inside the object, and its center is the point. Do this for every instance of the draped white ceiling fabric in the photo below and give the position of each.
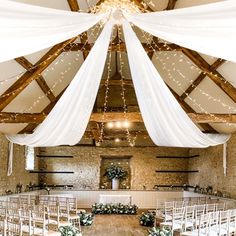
(68, 120)
(165, 120)
(25, 29)
(209, 29)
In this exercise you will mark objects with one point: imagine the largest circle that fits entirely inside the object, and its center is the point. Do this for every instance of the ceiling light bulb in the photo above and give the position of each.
(118, 124)
(126, 124)
(117, 140)
(110, 125)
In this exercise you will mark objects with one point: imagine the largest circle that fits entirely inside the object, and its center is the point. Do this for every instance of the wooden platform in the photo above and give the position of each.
(115, 225)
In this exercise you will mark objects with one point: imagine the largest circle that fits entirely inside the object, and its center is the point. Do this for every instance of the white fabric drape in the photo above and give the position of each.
(225, 158)
(165, 120)
(25, 29)
(67, 122)
(10, 158)
(209, 29)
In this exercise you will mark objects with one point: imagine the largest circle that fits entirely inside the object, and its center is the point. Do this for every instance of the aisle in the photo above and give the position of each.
(115, 225)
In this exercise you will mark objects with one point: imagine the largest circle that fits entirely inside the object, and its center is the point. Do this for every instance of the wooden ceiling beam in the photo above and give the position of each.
(40, 80)
(74, 6)
(37, 118)
(171, 4)
(214, 75)
(189, 109)
(200, 78)
(33, 74)
(32, 125)
(121, 47)
(143, 6)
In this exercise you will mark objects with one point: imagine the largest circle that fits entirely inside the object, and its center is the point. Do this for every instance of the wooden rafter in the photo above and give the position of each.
(214, 75)
(189, 109)
(32, 125)
(143, 6)
(33, 74)
(171, 4)
(97, 117)
(200, 78)
(116, 47)
(74, 6)
(40, 80)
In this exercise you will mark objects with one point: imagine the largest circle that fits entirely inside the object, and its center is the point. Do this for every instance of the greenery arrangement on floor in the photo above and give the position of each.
(99, 208)
(147, 219)
(157, 231)
(69, 230)
(86, 219)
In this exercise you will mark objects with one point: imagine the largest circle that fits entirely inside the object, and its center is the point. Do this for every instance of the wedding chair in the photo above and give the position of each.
(179, 204)
(168, 210)
(177, 220)
(199, 210)
(232, 221)
(213, 224)
(189, 217)
(38, 222)
(13, 228)
(3, 213)
(210, 208)
(221, 206)
(2, 227)
(203, 227)
(223, 223)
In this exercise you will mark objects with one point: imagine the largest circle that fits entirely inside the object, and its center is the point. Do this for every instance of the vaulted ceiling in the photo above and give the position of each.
(32, 84)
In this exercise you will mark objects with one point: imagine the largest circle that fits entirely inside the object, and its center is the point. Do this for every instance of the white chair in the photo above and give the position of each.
(177, 220)
(221, 206)
(203, 227)
(199, 210)
(223, 223)
(210, 208)
(168, 210)
(189, 218)
(232, 221)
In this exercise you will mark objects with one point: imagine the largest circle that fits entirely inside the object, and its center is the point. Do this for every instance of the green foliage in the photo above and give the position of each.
(147, 219)
(99, 208)
(157, 231)
(69, 231)
(114, 171)
(86, 219)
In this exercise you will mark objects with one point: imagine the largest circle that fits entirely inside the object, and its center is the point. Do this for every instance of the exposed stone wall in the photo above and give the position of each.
(143, 163)
(19, 174)
(210, 166)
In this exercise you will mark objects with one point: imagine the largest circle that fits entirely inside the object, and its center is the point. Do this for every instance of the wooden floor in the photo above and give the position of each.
(115, 225)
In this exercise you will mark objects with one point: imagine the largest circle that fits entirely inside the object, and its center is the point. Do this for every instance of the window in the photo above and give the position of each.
(29, 158)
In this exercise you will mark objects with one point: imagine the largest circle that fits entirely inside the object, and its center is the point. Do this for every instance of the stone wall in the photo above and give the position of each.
(87, 160)
(210, 166)
(19, 174)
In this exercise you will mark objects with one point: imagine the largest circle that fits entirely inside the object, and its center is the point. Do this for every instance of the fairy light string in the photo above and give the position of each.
(179, 84)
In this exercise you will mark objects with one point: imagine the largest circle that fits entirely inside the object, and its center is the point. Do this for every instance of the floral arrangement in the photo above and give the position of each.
(99, 208)
(86, 219)
(115, 171)
(69, 230)
(147, 219)
(157, 231)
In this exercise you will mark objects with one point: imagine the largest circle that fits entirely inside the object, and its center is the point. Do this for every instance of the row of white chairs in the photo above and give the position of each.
(221, 223)
(53, 212)
(185, 217)
(170, 206)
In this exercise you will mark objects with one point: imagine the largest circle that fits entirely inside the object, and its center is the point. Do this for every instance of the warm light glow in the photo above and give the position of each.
(117, 140)
(110, 125)
(116, 8)
(118, 124)
(126, 124)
